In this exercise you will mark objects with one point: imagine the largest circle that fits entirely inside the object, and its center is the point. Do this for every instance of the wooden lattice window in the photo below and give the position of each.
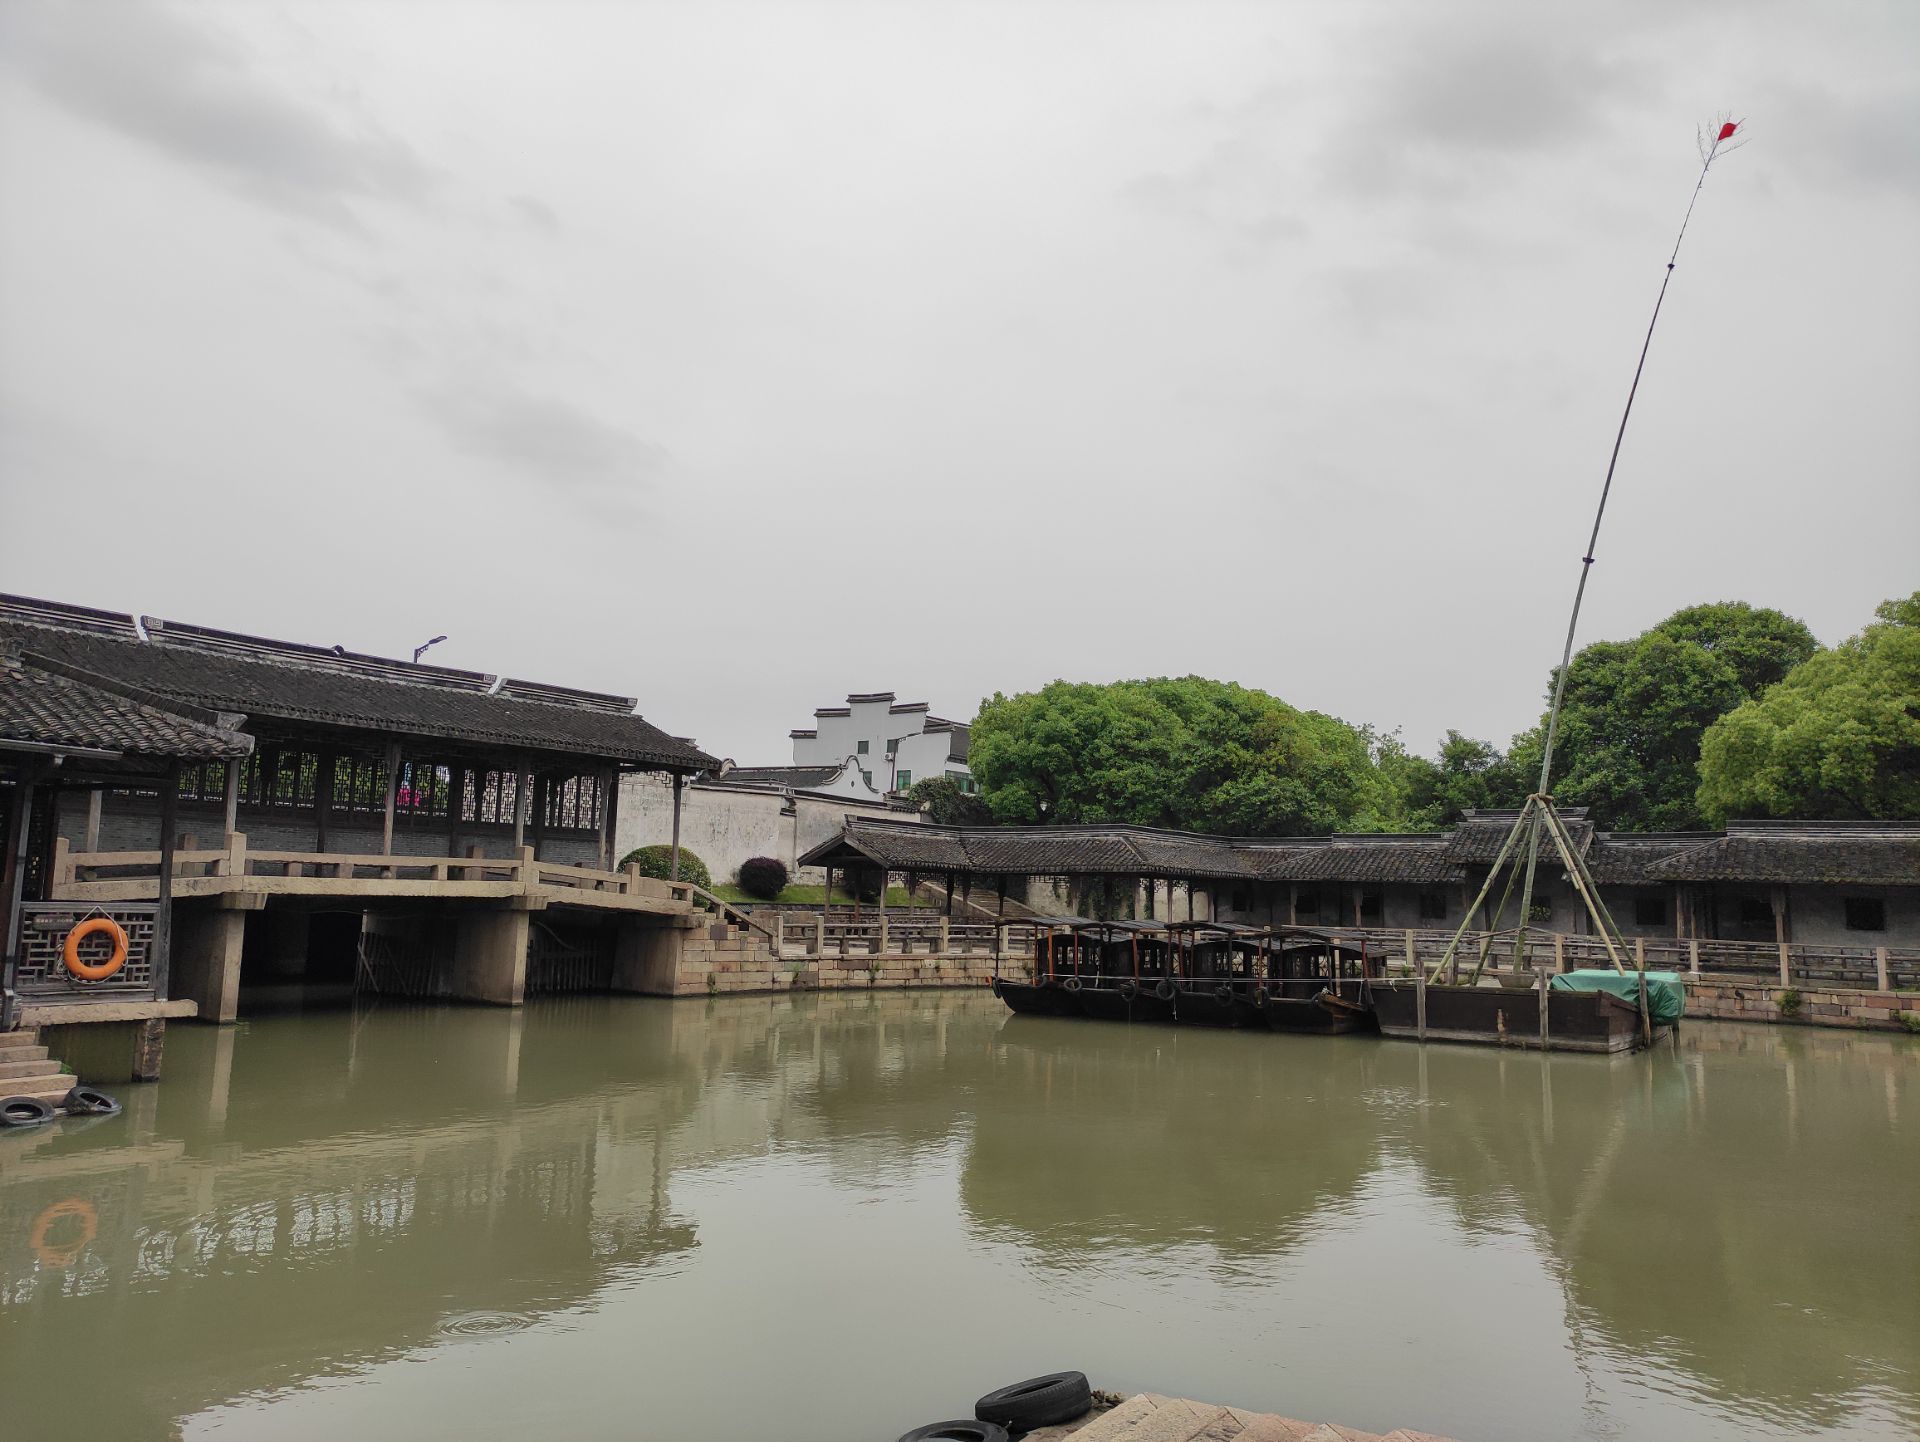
(572, 803)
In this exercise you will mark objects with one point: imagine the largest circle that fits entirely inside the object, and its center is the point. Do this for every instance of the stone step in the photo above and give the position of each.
(51, 1090)
(26, 1037)
(34, 1065)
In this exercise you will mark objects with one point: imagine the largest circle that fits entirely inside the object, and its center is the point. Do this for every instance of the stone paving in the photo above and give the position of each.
(1149, 1417)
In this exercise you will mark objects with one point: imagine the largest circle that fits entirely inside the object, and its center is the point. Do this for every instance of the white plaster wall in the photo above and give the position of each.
(726, 825)
(1818, 915)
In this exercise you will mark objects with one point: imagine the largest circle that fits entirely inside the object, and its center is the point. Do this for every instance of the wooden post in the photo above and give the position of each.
(231, 799)
(163, 914)
(1880, 968)
(1693, 955)
(826, 897)
(1542, 980)
(1559, 964)
(779, 931)
(390, 800)
(13, 883)
(522, 784)
(673, 868)
(1786, 966)
(90, 838)
(1639, 953)
(885, 875)
(820, 934)
(946, 933)
(322, 799)
(1293, 903)
(236, 861)
(609, 814)
(1189, 898)
(1420, 1002)
(949, 907)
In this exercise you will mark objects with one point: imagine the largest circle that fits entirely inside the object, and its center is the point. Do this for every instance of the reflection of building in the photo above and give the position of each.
(893, 743)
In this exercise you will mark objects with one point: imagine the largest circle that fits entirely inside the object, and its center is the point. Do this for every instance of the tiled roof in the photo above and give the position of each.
(1138, 851)
(797, 778)
(1477, 838)
(282, 681)
(44, 703)
(1866, 853)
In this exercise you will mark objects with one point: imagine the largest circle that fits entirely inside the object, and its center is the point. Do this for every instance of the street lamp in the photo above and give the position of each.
(424, 646)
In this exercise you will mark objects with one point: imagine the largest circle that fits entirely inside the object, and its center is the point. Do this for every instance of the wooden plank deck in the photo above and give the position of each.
(1149, 1417)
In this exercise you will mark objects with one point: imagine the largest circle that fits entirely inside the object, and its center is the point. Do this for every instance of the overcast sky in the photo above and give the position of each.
(740, 356)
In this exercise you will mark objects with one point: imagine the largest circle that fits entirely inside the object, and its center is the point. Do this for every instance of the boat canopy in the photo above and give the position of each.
(1666, 997)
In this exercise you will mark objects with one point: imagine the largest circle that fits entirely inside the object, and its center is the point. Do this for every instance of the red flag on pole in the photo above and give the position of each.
(1726, 131)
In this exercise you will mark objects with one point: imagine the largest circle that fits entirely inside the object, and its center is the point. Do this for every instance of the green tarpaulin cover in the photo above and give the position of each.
(1666, 999)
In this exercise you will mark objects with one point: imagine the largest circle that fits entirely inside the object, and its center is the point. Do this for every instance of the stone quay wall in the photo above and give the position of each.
(1746, 999)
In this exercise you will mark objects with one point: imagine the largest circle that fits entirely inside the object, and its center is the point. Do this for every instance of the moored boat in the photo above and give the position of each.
(1586, 1019)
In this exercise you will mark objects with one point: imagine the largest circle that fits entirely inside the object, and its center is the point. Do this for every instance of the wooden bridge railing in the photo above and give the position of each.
(73, 869)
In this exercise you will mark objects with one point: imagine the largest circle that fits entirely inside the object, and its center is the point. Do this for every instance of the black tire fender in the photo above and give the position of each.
(1163, 989)
(1261, 996)
(87, 1102)
(966, 1429)
(1129, 990)
(1037, 1402)
(1070, 984)
(1223, 993)
(24, 1112)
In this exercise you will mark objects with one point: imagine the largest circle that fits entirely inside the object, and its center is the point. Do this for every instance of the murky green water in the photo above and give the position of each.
(834, 1218)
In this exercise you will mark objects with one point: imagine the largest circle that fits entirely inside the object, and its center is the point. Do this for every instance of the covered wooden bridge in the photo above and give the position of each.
(305, 813)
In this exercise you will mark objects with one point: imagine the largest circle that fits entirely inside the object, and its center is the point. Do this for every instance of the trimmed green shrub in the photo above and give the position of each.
(763, 876)
(1789, 1002)
(657, 861)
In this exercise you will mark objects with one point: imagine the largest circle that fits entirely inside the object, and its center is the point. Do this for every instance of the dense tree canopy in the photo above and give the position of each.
(1189, 753)
(1629, 741)
(1839, 736)
(945, 804)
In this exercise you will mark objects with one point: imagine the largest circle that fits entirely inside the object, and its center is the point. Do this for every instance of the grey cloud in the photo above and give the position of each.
(190, 92)
(547, 437)
(537, 214)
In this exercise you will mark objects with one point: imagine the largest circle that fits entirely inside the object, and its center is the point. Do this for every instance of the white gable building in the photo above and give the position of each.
(893, 743)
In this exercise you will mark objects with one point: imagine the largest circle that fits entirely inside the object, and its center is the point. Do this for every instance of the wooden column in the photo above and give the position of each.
(522, 784)
(392, 797)
(90, 838)
(1782, 919)
(13, 881)
(322, 799)
(949, 906)
(163, 914)
(673, 865)
(881, 943)
(231, 820)
(609, 815)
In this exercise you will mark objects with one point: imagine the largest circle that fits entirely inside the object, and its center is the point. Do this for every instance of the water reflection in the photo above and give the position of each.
(1729, 1225)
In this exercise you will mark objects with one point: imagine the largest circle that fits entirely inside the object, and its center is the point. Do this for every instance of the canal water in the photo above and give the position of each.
(837, 1217)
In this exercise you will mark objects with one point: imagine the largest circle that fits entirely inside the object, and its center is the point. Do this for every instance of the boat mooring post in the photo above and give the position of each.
(1542, 978)
(1420, 1003)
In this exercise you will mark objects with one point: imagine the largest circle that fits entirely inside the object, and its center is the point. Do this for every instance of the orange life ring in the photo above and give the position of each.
(96, 970)
(64, 1254)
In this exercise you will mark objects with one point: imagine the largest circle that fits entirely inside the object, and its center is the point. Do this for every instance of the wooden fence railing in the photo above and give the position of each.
(1790, 964)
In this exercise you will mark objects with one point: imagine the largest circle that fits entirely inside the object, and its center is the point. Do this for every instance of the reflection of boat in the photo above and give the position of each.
(1575, 1020)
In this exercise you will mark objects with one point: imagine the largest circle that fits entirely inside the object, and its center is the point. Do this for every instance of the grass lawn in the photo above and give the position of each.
(810, 896)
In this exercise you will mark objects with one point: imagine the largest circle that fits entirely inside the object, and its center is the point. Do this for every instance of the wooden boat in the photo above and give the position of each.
(1591, 1021)
(1317, 984)
(1041, 998)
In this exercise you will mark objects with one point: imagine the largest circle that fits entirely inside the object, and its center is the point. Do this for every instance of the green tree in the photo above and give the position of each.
(941, 798)
(1187, 753)
(1467, 774)
(1635, 711)
(1840, 736)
